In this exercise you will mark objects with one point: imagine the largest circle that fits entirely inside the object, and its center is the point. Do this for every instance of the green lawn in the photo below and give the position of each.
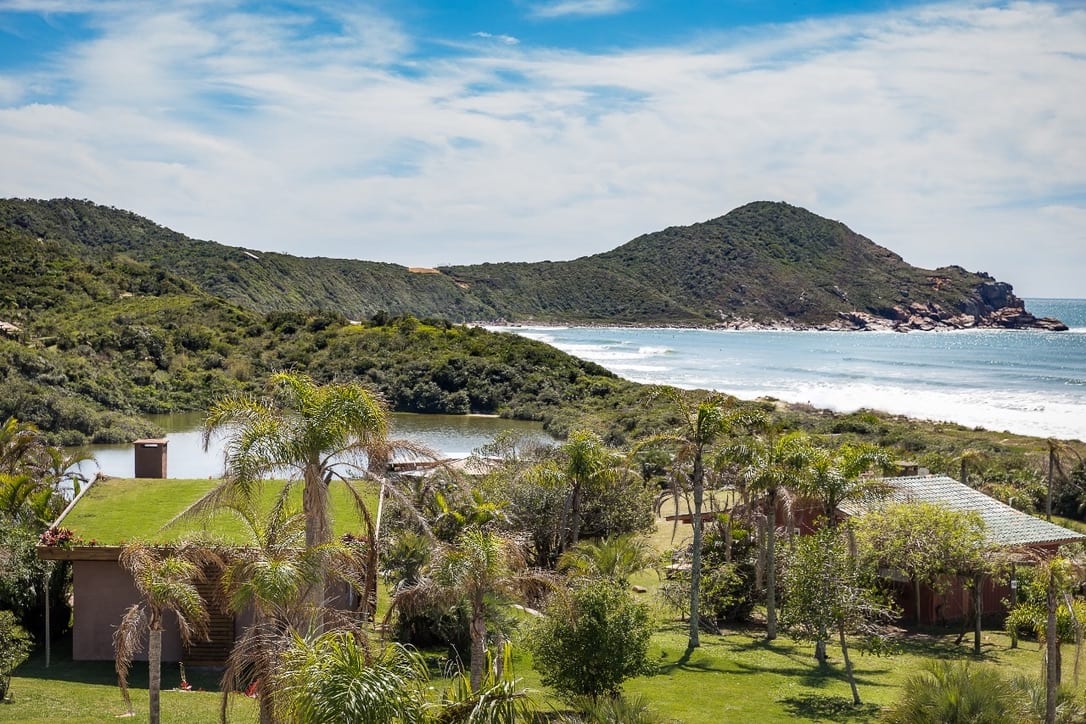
(118, 510)
(736, 676)
(87, 692)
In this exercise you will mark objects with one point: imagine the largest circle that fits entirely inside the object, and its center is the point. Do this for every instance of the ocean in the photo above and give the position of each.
(1027, 382)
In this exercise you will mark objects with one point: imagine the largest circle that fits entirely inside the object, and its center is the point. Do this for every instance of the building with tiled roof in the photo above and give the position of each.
(1004, 526)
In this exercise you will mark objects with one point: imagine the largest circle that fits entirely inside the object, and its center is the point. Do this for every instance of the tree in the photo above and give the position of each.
(480, 568)
(591, 639)
(336, 677)
(837, 477)
(165, 580)
(587, 464)
(772, 466)
(615, 558)
(825, 591)
(927, 542)
(1057, 450)
(703, 421)
(267, 576)
(1056, 574)
(308, 429)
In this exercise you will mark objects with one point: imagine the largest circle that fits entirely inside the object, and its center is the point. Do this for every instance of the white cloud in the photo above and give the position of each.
(950, 135)
(507, 39)
(563, 8)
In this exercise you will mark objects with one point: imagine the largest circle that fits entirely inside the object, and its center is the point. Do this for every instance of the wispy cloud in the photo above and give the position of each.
(506, 39)
(328, 133)
(563, 8)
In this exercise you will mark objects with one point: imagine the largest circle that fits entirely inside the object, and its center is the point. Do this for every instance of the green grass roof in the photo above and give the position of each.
(119, 510)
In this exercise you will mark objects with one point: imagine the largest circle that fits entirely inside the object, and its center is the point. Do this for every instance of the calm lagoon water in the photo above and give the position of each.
(1028, 382)
(451, 435)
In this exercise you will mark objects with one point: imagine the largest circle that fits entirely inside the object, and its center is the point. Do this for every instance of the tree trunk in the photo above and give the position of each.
(1048, 493)
(771, 566)
(694, 639)
(1052, 652)
(318, 525)
(978, 612)
(563, 523)
(848, 665)
(575, 534)
(916, 594)
(478, 646)
(154, 672)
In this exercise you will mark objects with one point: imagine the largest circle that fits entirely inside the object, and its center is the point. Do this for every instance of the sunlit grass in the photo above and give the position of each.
(118, 510)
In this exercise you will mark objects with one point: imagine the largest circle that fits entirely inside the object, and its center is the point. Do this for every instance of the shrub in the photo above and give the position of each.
(592, 639)
(15, 646)
(956, 693)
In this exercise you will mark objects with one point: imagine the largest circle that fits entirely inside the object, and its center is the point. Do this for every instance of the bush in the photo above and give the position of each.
(956, 693)
(728, 593)
(15, 646)
(592, 639)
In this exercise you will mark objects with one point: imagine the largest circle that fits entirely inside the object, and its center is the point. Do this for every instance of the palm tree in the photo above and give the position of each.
(479, 568)
(336, 677)
(616, 558)
(970, 457)
(21, 445)
(839, 476)
(773, 467)
(267, 575)
(703, 421)
(588, 464)
(307, 429)
(165, 580)
(1057, 450)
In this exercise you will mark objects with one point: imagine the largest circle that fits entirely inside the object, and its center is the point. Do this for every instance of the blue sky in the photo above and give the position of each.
(427, 133)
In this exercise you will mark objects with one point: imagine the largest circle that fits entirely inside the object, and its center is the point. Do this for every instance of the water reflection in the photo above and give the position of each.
(450, 435)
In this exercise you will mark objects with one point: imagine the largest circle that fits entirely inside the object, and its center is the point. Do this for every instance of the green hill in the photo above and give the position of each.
(763, 263)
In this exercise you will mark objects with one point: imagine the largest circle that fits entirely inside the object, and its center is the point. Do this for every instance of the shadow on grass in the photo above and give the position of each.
(63, 668)
(940, 643)
(817, 707)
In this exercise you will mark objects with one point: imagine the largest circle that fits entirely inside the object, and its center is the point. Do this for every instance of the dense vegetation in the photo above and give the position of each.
(766, 262)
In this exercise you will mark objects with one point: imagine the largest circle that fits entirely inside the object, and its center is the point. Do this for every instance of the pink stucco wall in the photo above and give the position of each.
(102, 592)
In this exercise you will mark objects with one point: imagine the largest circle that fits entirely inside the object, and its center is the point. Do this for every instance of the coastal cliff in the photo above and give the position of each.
(765, 264)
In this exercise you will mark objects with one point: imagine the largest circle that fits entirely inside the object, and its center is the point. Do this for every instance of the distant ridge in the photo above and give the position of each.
(763, 264)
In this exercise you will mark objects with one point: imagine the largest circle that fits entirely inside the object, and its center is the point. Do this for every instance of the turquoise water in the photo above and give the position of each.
(1029, 382)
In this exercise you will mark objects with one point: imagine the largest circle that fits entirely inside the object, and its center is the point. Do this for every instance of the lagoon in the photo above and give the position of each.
(450, 435)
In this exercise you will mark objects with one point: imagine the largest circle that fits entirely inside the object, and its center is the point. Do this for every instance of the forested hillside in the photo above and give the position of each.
(89, 344)
(763, 263)
(96, 342)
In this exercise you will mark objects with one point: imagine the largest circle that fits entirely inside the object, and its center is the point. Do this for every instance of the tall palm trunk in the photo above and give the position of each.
(318, 524)
(575, 526)
(1052, 652)
(563, 523)
(154, 671)
(771, 566)
(695, 558)
(478, 645)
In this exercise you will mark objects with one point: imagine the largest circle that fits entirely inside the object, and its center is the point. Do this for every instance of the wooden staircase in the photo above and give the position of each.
(214, 651)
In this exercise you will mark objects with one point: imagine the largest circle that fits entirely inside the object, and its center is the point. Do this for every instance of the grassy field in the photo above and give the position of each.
(736, 676)
(118, 510)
